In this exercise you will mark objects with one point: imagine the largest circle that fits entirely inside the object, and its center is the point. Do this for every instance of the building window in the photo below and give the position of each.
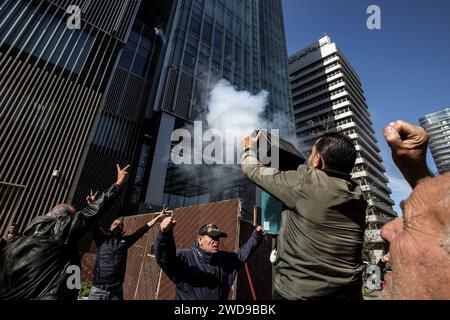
(207, 33)
(229, 21)
(126, 59)
(219, 14)
(228, 48)
(176, 59)
(218, 40)
(188, 60)
(141, 61)
(194, 27)
(237, 54)
(209, 7)
(184, 17)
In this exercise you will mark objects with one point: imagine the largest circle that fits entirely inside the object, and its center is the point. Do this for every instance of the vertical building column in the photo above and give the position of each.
(155, 190)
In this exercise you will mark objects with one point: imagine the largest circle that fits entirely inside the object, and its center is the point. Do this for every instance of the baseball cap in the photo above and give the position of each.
(211, 230)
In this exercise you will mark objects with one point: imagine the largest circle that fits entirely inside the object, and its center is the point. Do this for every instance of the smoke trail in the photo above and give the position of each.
(238, 112)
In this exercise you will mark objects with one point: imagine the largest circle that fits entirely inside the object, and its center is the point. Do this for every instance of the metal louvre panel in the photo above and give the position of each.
(144, 99)
(49, 98)
(116, 137)
(45, 135)
(98, 172)
(10, 196)
(169, 92)
(183, 102)
(111, 16)
(115, 92)
(132, 98)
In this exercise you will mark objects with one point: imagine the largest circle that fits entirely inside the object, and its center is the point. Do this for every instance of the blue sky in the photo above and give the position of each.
(404, 67)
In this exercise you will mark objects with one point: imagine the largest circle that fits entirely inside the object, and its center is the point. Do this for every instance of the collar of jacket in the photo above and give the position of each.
(112, 235)
(338, 174)
(204, 256)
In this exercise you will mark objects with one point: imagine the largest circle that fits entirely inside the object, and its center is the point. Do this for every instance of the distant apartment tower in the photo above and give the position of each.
(437, 125)
(327, 96)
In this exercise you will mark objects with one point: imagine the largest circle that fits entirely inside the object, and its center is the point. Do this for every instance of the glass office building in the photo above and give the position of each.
(437, 125)
(239, 40)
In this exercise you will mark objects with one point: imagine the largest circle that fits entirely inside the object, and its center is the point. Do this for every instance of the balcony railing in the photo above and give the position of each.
(373, 236)
(383, 207)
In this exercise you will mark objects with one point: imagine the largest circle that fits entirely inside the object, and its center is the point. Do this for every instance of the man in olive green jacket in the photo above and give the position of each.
(319, 246)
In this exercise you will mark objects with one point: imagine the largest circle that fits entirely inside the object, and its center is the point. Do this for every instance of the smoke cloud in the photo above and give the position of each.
(238, 113)
(235, 112)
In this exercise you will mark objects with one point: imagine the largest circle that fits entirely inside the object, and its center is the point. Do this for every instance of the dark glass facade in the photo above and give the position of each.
(242, 41)
(274, 67)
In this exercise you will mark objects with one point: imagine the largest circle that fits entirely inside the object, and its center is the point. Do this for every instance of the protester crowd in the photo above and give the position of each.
(318, 252)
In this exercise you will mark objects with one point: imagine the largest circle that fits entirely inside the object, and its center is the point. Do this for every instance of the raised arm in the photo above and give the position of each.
(105, 198)
(251, 245)
(132, 238)
(84, 219)
(237, 259)
(280, 184)
(409, 150)
(165, 248)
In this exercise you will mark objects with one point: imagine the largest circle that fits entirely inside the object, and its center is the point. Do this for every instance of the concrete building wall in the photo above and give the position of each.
(437, 125)
(328, 97)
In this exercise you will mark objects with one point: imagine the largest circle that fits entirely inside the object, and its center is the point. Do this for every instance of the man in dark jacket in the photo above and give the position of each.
(319, 246)
(36, 266)
(12, 236)
(111, 260)
(13, 233)
(202, 272)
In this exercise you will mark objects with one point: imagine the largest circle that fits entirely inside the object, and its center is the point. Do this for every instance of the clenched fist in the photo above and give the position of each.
(168, 224)
(409, 149)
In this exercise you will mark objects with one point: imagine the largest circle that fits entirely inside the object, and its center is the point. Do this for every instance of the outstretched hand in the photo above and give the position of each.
(91, 197)
(168, 224)
(260, 230)
(122, 175)
(163, 214)
(249, 142)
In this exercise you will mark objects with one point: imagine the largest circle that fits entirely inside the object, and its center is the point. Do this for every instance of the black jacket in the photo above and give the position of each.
(9, 240)
(111, 260)
(35, 266)
(197, 277)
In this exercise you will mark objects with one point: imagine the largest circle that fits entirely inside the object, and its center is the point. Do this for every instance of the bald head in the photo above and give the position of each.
(419, 243)
(62, 210)
(428, 207)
